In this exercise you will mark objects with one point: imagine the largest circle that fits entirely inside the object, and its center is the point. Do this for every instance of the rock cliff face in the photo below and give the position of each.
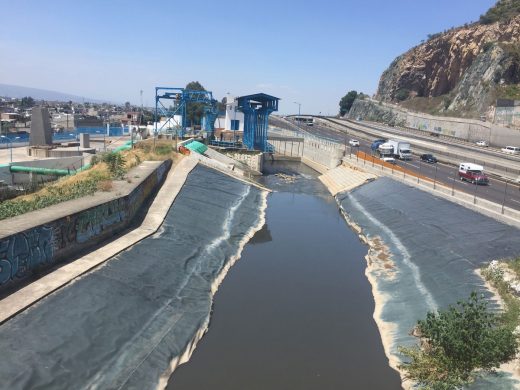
(462, 62)
(476, 90)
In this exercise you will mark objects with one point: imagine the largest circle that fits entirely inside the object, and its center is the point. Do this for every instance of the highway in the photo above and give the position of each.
(497, 191)
(449, 148)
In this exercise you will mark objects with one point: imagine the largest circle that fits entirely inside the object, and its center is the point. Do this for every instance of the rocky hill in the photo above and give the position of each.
(461, 71)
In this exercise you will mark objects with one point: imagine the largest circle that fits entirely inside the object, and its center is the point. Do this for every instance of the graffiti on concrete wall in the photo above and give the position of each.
(64, 232)
(134, 200)
(23, 252)
(93, 222)
(36, 248)
(161, 171)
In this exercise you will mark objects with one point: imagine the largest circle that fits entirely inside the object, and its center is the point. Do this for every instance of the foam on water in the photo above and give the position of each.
(402, 253)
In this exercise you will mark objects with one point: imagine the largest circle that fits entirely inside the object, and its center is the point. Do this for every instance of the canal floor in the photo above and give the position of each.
(296, 311)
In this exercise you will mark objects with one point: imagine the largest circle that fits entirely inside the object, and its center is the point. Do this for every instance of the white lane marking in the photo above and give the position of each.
(514, 200)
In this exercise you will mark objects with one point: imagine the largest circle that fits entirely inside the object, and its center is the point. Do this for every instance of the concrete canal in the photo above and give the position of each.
(296, 312)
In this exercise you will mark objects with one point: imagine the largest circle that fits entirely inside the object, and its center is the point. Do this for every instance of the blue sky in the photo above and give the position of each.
(311, 52)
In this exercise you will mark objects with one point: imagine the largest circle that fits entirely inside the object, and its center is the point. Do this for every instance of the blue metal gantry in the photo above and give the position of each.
(256, 109)
(172, 102)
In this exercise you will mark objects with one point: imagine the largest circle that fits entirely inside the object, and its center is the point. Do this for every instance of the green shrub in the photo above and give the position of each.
(502, 11)
(457, 343)
(402, 94)
(53, 195)
(116, 164)
(163, 149)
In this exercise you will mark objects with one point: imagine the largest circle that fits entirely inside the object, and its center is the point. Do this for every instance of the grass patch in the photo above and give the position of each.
(508, 91)
(67, 188)
(514, 265)
(105, 185)
(105, 168)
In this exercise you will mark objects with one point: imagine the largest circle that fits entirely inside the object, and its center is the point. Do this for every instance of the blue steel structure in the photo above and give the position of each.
(256, 109)
(171, 102)
(210, 115)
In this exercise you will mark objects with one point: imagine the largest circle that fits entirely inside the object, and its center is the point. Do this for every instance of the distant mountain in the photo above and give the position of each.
(16, 91)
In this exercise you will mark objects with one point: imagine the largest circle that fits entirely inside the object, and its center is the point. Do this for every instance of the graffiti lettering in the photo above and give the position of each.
(23, 252)
(92, 222)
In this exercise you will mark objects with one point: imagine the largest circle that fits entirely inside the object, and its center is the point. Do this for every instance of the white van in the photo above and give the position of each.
(511, 150)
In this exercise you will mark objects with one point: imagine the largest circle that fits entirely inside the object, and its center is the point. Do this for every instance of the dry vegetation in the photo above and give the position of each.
(98, 178)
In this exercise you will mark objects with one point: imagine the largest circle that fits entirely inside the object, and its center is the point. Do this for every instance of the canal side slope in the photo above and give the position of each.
(131, 321)
(423, 254)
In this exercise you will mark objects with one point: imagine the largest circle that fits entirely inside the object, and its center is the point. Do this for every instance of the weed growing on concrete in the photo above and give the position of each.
(163, 149)
(515, 266)
(49, 196)
(115, 163)
(494, 274)
(105, 185)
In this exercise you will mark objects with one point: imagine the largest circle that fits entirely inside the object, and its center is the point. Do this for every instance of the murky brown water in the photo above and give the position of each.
(295, 312)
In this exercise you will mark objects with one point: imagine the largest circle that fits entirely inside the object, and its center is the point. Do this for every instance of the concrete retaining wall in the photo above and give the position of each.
(252, 159)
(468, 129)
(42, 246)
(322, 152)
(313, 150)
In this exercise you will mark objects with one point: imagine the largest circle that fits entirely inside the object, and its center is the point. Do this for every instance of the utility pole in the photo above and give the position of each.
(142, 110)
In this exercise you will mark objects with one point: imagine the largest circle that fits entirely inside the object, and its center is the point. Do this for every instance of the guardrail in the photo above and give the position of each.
(451, 158)
(470, 200)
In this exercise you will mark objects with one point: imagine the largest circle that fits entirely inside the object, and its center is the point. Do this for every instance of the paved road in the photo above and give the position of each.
(496, 191)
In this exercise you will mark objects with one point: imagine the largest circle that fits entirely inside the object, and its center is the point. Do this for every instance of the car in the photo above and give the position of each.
(390, 160)
(482, 143)
(429, 158)
(353, 142)
(473, 173)
(511, 150)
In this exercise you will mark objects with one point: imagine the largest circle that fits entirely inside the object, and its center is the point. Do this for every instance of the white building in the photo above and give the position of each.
(234, 119)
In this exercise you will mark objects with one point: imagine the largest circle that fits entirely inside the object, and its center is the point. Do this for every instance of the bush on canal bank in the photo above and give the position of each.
(458, 343)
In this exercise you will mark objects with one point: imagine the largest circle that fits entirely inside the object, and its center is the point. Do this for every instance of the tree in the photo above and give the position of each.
(221, 106)
(346, 102)
(402, 94)
(195, 111)
(27, 102)
(457, 343)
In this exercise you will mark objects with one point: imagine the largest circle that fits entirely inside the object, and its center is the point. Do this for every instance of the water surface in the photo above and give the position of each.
(296, 311)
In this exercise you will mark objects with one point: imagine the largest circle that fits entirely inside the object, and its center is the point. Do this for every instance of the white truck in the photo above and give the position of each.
(402, 149)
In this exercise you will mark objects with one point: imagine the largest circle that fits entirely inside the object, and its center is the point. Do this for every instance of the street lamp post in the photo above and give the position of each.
(504, 200)
(299, 107)
(435, 177)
